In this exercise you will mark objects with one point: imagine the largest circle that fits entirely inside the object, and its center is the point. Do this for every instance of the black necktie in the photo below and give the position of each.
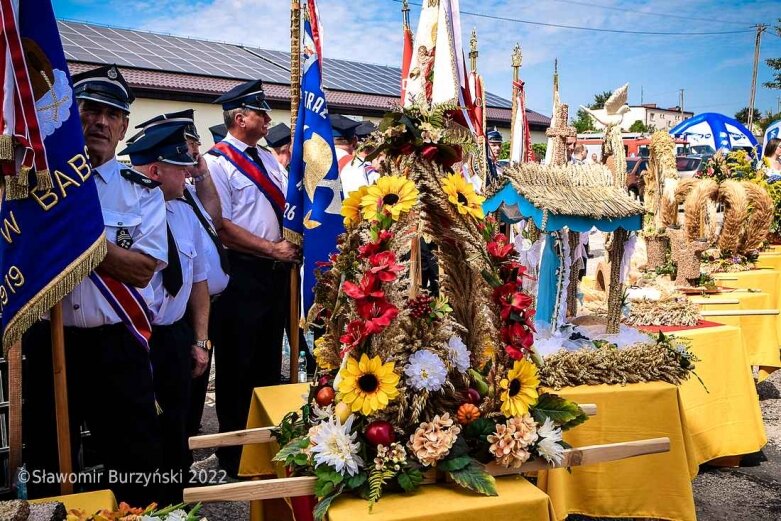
(224, 264)
(253, 153)
(172, 274)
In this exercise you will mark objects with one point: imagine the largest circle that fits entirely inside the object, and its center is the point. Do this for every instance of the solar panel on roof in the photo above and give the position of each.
(143, 50)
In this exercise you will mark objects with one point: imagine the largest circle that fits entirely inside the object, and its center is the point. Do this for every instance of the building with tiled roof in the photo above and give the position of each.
(169, 73)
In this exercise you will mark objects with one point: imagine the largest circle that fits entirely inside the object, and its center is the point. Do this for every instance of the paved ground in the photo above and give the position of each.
(751, 492)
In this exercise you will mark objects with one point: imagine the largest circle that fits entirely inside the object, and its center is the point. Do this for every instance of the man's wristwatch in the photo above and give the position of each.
(206, 345)
(199, 178)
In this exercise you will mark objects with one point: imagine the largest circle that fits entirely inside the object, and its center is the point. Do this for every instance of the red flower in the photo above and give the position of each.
(500, 247)
(517, 335)
(384, 266)
(513, 353)
(354, 334)
(512, 300)
(367, 288)
(369, 249)
(378, 314)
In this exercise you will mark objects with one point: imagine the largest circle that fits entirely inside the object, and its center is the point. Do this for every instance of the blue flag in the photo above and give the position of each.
(52, 234)
(314, 194)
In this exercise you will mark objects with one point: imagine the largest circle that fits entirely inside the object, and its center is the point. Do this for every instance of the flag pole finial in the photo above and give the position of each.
(517, 58)
(405, 13)
(473, 50)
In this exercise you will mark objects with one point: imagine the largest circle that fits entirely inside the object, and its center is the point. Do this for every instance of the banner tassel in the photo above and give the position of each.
(16, 186)
(6, 148)
(43, 181)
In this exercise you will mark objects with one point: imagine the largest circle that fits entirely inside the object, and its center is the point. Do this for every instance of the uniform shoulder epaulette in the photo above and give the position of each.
(138, 178)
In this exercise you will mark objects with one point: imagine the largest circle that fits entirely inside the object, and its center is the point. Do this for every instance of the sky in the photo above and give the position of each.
(714, 70)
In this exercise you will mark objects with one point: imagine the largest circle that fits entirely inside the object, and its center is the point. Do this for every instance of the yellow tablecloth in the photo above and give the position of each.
(725, 420)
(657, 486)
(89, 502)
(766, 280)
(770, 259)
(760, 339)
(518, 500)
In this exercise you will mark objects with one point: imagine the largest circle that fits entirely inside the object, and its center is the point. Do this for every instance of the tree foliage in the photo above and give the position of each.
(639, 126)
(775, 65)
(599, 100)
(583, 122)
(742, 115)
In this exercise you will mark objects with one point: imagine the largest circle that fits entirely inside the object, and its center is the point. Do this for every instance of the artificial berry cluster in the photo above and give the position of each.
(420, 306)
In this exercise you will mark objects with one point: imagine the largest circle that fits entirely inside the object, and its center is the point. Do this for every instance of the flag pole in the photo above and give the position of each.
(61, 397)
(14, 362)
(516, 61)
(295, 94)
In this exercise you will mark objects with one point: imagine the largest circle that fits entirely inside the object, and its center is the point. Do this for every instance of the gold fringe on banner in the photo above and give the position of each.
(6, 148)
(14, 189)
(43, 181)
(53, 292)
(291, 236)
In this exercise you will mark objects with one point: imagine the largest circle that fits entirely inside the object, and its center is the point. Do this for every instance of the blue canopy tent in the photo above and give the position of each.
(576, 198)
(717, 130)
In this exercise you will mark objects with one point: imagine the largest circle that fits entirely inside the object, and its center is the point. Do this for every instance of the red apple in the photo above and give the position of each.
(380, 433)
(325, 396)
(472, 396)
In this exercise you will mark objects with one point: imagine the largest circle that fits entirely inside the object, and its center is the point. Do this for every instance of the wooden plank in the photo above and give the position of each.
(305, 486)
(263, 435)
(591, 455)
(230, 439)
(704, 301)
(739, 312)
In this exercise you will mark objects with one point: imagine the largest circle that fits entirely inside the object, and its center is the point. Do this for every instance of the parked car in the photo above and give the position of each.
(635, 171)
(688, 166)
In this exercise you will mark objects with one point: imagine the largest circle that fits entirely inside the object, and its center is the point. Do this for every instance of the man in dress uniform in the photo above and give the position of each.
(179, 347)
(353, 171)
(248, 319)
(278, 139)
(106, 317)
(199, 194)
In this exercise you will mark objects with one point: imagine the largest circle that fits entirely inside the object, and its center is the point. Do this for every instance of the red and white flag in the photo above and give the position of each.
(521, 141)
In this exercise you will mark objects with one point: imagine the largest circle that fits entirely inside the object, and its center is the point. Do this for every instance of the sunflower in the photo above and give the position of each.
(462, 194)
(519, 389)
(351, 207)
(367, 385)
(391, 194)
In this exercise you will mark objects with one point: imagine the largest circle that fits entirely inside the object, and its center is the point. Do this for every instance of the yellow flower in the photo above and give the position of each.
(462, 194)
(367, 385)
(519, 389)
(391, 194)
(351, 207)
(320, 353)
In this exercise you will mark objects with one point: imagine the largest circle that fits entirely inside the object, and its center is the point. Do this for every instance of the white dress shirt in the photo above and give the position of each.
(354, 174)
(242, 201)
(217, 279)
(140, 211)
(184, 228)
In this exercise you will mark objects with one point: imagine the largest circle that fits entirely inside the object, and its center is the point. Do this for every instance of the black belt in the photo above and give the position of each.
(259, 262)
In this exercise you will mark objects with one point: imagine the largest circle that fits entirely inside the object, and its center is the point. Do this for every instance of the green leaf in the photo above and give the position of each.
(300, 459)
(561, 411)
(452, 464)
(356, 481)
(459, 448)
(480, 428)
(474, 477)
(378, 478)
(291, 449)
(321, 509)
(323, 488)
(326, 473)
(409, 479)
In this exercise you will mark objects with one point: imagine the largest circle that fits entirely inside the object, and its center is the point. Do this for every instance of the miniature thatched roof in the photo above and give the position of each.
(577, 190)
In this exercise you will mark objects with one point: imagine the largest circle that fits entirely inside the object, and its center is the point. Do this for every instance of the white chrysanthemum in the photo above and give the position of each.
(333, 445)
(425, 370)
(177, 515)
(459, 354)
(548, 446)
(322, 413)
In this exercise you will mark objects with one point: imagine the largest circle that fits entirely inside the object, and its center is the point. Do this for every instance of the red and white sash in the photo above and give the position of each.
(128, 303)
